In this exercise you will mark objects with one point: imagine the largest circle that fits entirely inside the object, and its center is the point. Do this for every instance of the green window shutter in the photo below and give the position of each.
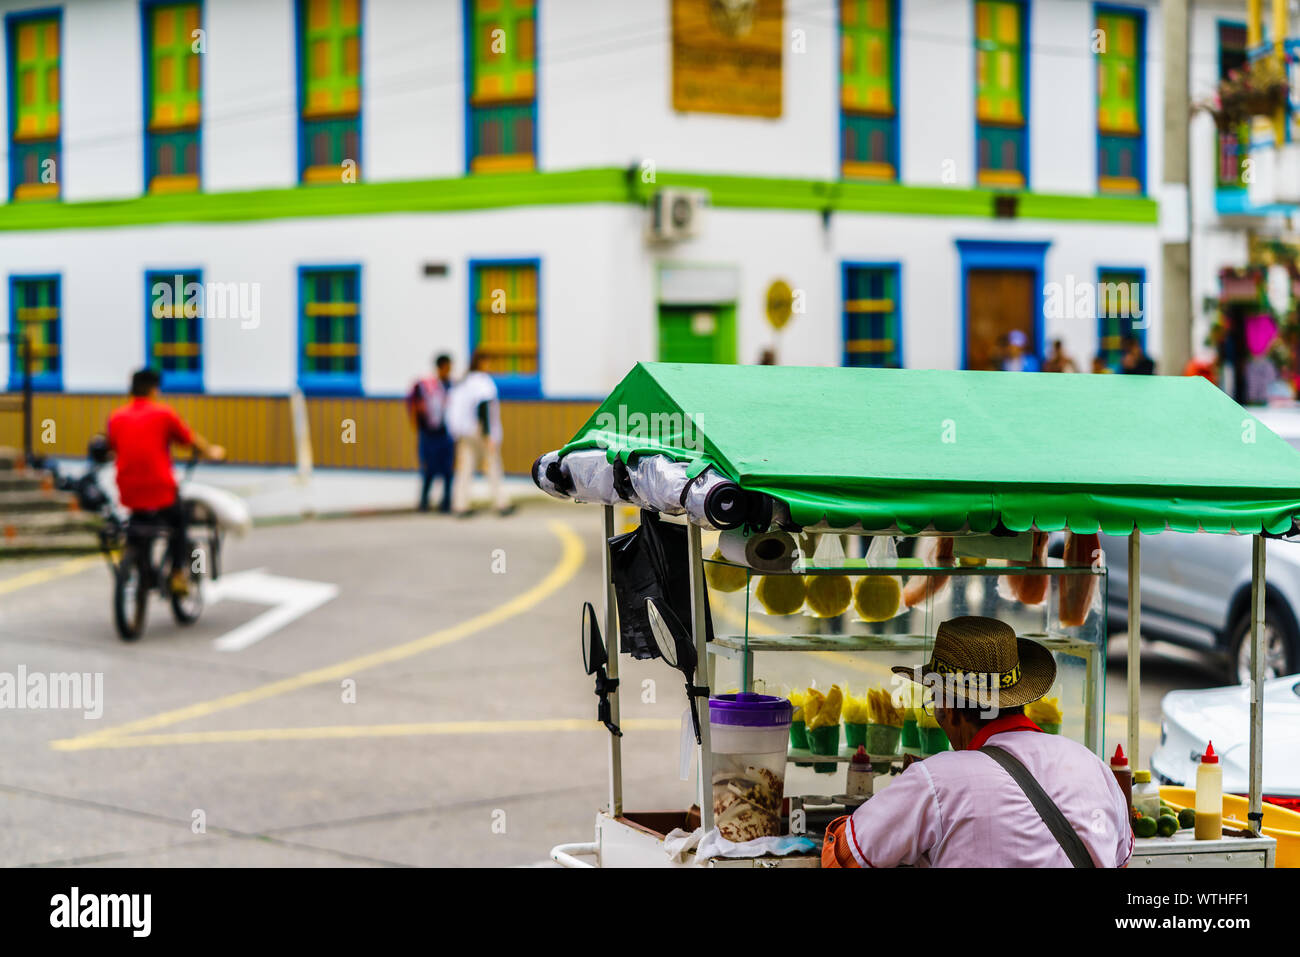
(1119, 308)
(174, 66)
(999, 62)
(331, 329)
(1118, 67)
(867, 50)
(871, 317)
(37, 316)
(175, 324)
(34, 79)
(503, 51)
(331, 44)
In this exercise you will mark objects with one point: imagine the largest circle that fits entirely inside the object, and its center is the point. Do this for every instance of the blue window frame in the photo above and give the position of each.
(173, 95)
(35, 310)
(173, 327)
(1002, 56)
(330, 79)
(1121, 99)
(505, 322)
(872, 315)
(329, 330)
(1121, 311)
(34, 52)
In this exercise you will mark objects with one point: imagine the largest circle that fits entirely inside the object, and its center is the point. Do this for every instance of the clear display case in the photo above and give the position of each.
(756, 649)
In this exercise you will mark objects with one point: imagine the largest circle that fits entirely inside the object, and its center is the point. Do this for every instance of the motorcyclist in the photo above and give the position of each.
(140, 434)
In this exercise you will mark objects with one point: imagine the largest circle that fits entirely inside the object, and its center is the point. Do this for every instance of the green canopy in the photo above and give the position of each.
(954, 451)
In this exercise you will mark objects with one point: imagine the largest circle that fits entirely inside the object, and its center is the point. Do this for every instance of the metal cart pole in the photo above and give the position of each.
(611, 669)
(705, 763)
(1134, 644)
(1255, 813)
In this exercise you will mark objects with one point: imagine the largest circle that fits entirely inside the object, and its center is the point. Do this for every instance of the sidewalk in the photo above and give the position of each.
(277, 494)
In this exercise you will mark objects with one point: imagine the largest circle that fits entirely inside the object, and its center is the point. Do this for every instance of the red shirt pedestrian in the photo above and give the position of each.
(141, 434)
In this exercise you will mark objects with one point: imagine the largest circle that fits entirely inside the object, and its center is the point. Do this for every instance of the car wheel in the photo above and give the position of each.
(1281, 646)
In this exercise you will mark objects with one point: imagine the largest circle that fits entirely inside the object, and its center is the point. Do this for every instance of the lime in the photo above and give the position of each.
(1167, 825)
(724, 577)
(828, 595)
(1144, 827)
(1187, 817)
(780, 594)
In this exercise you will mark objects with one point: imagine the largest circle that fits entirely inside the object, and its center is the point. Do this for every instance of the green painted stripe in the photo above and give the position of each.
(610, 185)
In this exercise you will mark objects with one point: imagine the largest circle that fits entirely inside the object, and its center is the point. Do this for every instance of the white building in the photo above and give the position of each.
(313, 166)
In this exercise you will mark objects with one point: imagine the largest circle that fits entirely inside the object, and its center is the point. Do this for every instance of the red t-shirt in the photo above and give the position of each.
(141, 434)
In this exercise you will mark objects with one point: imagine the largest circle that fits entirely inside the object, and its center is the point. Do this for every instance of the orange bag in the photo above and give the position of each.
(1077, 591)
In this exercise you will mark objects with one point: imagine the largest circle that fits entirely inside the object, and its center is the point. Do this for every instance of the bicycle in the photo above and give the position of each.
(138, 551)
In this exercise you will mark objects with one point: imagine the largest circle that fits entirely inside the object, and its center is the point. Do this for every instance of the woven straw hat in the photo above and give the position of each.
(1022, 670)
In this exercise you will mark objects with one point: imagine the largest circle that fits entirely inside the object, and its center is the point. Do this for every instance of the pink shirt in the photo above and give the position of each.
(961, 809)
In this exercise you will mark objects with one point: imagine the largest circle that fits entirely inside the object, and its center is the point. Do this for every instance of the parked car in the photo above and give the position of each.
(1222, 715)
(1196, 588)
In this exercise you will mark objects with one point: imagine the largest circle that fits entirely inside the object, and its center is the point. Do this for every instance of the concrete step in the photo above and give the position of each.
(21, 480)
(14, 524)
(24, 546)
(34, 500)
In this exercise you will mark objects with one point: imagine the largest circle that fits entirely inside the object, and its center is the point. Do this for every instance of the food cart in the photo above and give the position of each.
(982, 471)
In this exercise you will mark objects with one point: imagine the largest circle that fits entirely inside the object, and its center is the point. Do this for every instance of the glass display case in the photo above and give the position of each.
(788, 634)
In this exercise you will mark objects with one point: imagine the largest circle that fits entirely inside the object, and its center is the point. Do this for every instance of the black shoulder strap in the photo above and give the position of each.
(1065, 835)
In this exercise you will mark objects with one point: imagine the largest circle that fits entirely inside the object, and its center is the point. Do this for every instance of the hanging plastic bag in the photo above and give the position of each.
(651, 562)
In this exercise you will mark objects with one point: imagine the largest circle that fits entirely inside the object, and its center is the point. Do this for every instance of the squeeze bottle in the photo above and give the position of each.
(1146, 796)
(1209, 796)
(860, 776)
(1123, 775)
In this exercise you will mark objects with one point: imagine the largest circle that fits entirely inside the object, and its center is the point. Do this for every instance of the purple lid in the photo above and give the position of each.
(750, 710)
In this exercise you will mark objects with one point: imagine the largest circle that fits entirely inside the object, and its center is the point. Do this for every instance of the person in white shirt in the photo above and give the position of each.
(965, 807)
(474, 419)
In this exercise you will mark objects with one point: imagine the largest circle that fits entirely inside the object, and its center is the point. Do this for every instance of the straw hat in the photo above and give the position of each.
(1022, 670)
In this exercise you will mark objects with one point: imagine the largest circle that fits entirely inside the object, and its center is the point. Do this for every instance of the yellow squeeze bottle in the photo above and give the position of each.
(1209, 796)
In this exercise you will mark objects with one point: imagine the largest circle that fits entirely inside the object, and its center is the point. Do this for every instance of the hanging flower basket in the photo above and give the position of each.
(1259, 89)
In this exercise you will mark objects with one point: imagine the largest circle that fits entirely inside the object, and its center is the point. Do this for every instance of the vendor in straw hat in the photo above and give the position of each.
(1054, 804)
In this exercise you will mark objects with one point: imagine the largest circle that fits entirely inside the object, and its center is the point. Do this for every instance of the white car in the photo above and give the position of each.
(1196, 587)
(1222, 715)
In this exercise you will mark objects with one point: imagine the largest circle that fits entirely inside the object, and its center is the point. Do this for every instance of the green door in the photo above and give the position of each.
(697, 333)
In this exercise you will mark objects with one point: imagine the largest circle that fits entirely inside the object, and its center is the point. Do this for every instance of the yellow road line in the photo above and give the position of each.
(42, 575)
(337, 732)
(570, 562)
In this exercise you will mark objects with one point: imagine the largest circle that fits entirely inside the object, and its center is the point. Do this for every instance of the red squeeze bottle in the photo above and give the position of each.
(1123, 775)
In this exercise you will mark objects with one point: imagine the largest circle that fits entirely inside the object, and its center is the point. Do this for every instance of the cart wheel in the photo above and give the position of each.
(130, 595)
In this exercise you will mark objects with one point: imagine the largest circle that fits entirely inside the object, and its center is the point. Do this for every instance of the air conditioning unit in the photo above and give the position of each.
(676, 214)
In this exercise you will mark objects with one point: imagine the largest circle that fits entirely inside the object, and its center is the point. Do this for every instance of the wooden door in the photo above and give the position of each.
(998, 301)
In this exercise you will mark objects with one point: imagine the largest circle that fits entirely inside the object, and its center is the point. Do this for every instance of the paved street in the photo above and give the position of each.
(431, 710)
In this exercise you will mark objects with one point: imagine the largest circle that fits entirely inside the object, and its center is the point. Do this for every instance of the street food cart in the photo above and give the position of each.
(827, 473)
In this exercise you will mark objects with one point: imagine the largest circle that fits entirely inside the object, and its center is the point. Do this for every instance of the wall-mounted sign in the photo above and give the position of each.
(780, 303)
(727, 56)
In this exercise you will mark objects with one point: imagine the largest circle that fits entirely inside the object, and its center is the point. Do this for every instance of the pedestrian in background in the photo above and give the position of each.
(1099, 364)
(1016, 359)
(427, 403)
(474, 417)
(1058, 360)
(1136, 361)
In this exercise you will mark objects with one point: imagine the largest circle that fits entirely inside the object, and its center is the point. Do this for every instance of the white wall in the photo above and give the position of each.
(250, 108)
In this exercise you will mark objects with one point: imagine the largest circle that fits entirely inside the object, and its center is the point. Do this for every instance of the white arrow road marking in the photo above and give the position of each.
(292, 598)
